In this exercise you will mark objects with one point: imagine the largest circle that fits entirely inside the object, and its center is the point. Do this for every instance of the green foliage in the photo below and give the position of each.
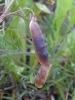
(42, 8)
(59, 36)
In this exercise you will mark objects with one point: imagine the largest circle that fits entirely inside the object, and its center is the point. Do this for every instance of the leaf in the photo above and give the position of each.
(61, 13)
(64, 27)
(72, 13)
(63, 6)
(43, 8)
(21, 25)
(14, 68)
(32, 78)
(69, 20)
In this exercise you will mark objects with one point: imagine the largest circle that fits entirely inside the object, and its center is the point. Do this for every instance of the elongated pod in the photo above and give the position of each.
(41, 52)
(42, 76)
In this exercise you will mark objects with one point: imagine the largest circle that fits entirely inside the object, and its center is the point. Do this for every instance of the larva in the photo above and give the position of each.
(41, 52)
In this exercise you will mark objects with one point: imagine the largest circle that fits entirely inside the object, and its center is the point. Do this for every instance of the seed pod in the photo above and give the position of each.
(42, 76)
(41, 52)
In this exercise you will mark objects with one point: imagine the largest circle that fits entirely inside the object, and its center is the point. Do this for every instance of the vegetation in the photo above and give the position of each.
(18, 63)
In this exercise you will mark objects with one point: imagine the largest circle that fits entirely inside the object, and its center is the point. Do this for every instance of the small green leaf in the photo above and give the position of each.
(64, 27)
(14, 68)
(42, 8)
(32, 78)
(21, 25)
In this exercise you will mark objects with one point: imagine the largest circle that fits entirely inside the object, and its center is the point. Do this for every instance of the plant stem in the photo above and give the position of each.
(6, 11)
